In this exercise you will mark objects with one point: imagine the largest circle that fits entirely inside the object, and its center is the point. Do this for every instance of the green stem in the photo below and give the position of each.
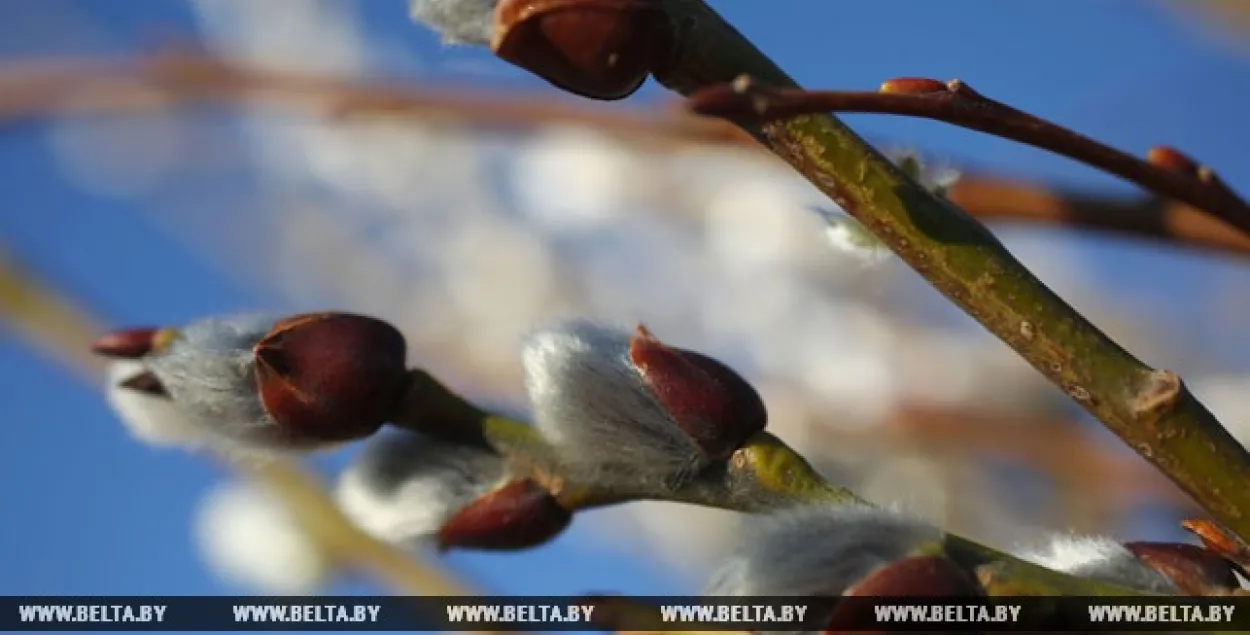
(763, 475)
(1149, 409)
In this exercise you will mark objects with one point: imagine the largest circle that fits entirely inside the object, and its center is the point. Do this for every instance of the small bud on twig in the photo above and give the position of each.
(611, 403)
(912, 86)
(1172, 159)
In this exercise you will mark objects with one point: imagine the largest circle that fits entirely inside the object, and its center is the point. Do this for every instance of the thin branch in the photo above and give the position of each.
(1164, 171)
(1149, 409)
(1167, 222)
(157, 83)
(35, 90)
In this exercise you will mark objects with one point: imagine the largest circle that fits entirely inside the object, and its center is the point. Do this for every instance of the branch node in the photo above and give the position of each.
(1159, 396)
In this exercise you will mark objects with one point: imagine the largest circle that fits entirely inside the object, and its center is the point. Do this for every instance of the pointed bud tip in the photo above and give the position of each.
(126, 344)
(601, 49)
(331, 376)
(912, 86)
(710, 402)
(519, 515)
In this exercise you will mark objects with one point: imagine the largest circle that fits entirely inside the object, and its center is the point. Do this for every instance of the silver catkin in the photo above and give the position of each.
(404, 485)
(1098, 558)
(209, 373)
(458, 21)
(818, 550)
(591, 404)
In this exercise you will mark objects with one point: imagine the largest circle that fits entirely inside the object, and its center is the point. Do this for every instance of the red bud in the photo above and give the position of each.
(601, 49)
(920, 576)
(1172, 159)
(710, 402)
(1194, 570)
(519, 515)
(330, 377)
(912, 86)
(127, 344)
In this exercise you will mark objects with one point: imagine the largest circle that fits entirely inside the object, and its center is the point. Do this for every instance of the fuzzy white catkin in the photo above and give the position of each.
(458, 21)
(404, 486)
(151, 419)
(247, 535)
(208, 370)
(590, 403)
(1098, 558)
(818, 550)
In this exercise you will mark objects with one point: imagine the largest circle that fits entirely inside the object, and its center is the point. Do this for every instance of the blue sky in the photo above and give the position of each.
(88, 511)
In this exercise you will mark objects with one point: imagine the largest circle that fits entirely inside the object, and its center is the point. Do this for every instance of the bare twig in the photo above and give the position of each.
(1164, 171)
(1149, 409)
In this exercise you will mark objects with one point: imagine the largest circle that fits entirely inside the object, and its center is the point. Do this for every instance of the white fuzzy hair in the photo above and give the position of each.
(208, 371)
(589, 401)
(152, 419)
(404, 486)
(1098, 558)
(458, 21)
(818, 550)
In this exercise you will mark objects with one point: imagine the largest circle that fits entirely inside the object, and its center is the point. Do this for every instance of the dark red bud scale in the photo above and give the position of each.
(912, 86)
(1194, 570)
(128, 344)
(708, 400)
(519, 515)
(330, 377)
(601, 49)
(920, 576)
(146, 383)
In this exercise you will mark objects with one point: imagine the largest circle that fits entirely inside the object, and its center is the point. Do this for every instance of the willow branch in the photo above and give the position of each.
(764, 474)
(1165, 171)
(64, 330)
(1149, 409)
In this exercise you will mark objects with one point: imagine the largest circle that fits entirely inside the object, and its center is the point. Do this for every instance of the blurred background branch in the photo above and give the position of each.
(58, 88)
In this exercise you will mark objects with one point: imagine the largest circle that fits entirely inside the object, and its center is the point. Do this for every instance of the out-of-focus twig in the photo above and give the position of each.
(997, 199)
(66, 87)
(1165, 171)
(65, 331)
(42, 89)
(41, 316)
